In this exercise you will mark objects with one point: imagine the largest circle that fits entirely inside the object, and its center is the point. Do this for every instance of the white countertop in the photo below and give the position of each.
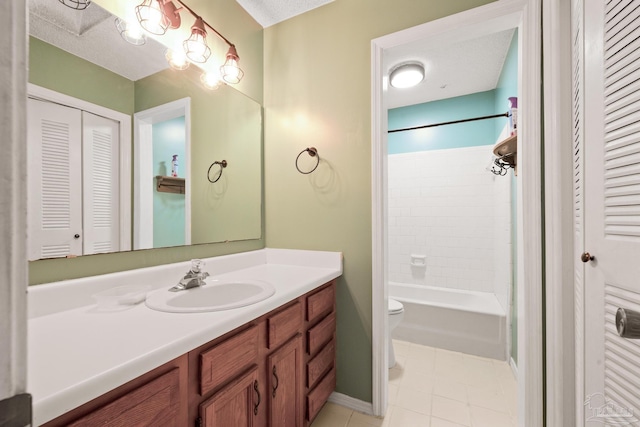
(77, 353)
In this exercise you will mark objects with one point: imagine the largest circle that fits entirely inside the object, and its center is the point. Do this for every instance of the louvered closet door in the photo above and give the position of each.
(612, 214)
(54, 175)
(100, 184)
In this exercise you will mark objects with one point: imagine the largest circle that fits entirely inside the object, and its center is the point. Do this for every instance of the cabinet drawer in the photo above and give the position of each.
(155, 403)
(227, 359)
(284, 324)
(321, 334)
(320, 364)
(320, 303)
(320, 394)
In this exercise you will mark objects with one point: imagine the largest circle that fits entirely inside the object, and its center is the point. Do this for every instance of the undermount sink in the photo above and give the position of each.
(216, 295)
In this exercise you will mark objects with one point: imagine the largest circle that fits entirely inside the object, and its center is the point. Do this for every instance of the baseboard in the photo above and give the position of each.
(351, 403)
(514, 367)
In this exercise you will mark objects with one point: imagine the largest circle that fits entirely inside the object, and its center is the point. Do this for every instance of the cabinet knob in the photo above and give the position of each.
(76, 236)
(586, 257)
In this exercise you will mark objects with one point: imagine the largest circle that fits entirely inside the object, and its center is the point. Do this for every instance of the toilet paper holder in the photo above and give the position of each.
(628, 323)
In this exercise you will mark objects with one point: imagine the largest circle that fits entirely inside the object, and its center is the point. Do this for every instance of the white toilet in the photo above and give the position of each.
(396, 313)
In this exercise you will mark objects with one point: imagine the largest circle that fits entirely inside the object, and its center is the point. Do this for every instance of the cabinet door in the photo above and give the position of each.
(153, 404)
(284, 368)
(237, 404)
(55, 181)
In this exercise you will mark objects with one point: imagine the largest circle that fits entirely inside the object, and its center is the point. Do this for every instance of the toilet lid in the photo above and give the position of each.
(395, 306)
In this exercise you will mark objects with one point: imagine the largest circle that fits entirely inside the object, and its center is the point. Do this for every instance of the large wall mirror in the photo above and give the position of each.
(156, 190)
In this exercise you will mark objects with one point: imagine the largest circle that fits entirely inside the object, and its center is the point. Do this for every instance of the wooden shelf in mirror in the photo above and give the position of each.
(170, 184)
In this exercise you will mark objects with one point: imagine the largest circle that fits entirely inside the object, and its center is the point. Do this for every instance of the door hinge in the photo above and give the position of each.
(199, 422)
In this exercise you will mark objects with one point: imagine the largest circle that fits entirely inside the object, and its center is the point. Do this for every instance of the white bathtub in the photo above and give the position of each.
(465, 321)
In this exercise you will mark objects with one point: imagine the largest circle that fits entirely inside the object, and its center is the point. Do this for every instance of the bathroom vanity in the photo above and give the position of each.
(268, 364)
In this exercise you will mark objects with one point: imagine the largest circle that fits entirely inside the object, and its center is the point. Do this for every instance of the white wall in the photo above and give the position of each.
(445, 204)
(13, 261)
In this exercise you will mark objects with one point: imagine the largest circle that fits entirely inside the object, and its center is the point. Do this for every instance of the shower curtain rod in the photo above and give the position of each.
(450, 123)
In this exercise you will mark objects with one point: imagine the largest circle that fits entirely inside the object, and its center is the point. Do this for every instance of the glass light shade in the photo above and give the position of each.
(211, 81)
(76, 4)
(230, 71)
(130, 32)
(176, 59)
(151, 17)
(407, 75)
(195, 47)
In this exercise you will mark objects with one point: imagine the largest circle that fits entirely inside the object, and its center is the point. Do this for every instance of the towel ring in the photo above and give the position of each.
(223, 164)
(313, 153)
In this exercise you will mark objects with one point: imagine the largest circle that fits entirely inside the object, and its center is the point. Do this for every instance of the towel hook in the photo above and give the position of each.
(313, 152)
(223, 164)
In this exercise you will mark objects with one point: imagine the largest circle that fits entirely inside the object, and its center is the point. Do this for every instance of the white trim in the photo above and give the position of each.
(124, 121)
(13, 203)
(351, 403)
(558, 178)
(143, 186)
(514, 367)
(473, 23)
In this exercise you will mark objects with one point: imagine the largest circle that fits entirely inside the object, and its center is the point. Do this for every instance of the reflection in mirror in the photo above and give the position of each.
(77, 54)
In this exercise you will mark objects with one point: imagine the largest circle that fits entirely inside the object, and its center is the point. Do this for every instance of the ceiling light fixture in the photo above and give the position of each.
(156, 16)
(195, 47)
(76, 4)
(130, 33)
(406, 75)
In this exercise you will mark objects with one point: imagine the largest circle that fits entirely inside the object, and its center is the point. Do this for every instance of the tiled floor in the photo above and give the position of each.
(431, 387)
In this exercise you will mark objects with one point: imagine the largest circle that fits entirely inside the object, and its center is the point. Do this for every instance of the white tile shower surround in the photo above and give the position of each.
(445, 204)
(431, 387)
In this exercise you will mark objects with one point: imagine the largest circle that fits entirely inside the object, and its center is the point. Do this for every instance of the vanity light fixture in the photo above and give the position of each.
(156, 16)
(151, 17)
(130, 33)
(230, 71)
(176, 59)
(76, 4)
(195, 47)
(406, 75)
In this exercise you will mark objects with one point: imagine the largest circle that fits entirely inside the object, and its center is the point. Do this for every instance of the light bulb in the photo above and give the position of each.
(211, 80)
(230, 71)
(176, 59)
(151, 17)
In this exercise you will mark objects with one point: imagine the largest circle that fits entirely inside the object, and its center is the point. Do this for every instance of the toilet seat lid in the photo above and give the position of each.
(395, 306)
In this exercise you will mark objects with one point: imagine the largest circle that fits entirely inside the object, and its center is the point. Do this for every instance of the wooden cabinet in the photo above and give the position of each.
(320, 349)
(284, 370)
(275, 371)
(153, 399)
(235, 404)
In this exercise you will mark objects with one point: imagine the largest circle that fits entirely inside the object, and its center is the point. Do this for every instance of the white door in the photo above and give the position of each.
(612, 209)
(100, 158)
(54, 174)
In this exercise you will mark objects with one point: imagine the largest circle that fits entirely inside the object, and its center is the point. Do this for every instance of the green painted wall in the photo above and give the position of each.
(53, 70)
(318, 93)
(63, 72)
(469, 134)
(168, 208)
(225, 125)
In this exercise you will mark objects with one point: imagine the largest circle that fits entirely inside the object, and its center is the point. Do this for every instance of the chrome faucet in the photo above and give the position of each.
(194, 278)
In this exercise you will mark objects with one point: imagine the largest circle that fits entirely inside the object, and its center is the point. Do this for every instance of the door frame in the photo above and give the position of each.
(124, 122)
(526, 15)
(143, 122)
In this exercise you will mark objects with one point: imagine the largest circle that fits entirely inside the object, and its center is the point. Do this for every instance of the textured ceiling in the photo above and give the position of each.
(91, 34)
(270, 12)
(450, 69)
